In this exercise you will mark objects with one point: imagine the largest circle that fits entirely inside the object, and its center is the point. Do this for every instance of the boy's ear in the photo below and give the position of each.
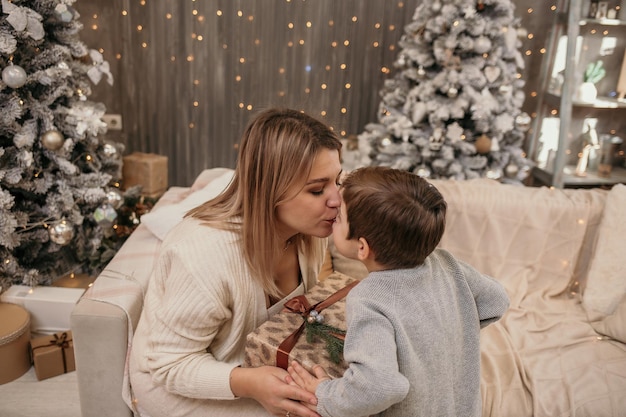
(363, 250)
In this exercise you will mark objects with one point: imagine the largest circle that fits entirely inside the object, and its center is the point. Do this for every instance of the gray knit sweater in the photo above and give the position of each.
(412, 342)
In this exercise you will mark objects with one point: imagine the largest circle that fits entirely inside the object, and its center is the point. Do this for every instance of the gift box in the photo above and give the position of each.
(49, 307)
(283, 337)
(53, 354)
(147, 170)
(14, 339)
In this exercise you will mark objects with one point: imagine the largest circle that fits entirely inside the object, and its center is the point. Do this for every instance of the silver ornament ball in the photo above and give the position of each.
(61, 233)
(14, 76)
(109, 150)
(114, 198)
(494, 174)
(52, 140)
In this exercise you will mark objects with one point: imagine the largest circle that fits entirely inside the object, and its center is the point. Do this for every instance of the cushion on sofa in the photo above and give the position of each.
(511, 232)
(161, 221)
(606, 281)
(613, 325)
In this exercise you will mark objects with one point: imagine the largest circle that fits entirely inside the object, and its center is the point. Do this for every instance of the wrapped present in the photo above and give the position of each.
(148, 170)
(14, 338)
(53, 354)
(308, 330)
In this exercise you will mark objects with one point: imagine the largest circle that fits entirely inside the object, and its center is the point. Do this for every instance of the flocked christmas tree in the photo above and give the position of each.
(58, 175)
(453, 108)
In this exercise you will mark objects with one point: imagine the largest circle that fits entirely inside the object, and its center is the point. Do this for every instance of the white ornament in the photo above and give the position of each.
(511, 170)
(14, 76)
(24, 19)
(492, 73)
(419, 112)
(109, 150)
(494, 174)
(454, 132)
(482, 44)
(422, 171)
(495, 146)
(522, 122)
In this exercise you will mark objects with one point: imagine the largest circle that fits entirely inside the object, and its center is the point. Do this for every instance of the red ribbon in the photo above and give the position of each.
(300, 305)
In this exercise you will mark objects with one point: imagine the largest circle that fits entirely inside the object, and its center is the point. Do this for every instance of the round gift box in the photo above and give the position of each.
(14, 340)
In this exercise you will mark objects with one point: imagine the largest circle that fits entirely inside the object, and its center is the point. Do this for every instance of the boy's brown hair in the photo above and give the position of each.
(401, 215)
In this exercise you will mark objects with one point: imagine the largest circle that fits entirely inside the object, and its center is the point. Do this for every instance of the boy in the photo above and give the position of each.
(413, 323)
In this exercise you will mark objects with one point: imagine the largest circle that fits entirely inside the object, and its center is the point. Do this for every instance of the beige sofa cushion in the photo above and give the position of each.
(606, 281)
(512, 232)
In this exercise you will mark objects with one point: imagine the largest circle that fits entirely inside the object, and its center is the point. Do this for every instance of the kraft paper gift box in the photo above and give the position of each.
(148, 170)
(14, 339)
(270, 343)
(53, 354)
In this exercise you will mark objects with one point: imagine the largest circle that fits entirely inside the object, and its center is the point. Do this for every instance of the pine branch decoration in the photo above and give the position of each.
(333, 336)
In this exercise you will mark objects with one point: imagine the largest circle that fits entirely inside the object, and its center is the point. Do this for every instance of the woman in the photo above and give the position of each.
(228, 266)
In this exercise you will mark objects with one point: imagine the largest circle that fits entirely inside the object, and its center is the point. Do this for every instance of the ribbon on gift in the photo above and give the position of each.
(62, 341)
(300, 305)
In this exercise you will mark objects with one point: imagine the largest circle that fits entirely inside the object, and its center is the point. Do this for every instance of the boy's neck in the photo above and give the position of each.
(373, 266)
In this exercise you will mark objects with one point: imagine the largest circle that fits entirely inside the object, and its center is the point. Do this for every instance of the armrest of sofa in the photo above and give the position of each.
(104, 319)
(100, 332)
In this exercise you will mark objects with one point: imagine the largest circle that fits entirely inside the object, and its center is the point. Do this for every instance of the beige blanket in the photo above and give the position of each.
(543, 358)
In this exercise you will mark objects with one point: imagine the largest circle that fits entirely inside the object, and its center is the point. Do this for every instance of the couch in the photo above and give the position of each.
(560, 350)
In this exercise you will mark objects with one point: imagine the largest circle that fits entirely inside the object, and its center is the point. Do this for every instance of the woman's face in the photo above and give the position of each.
(313, 209)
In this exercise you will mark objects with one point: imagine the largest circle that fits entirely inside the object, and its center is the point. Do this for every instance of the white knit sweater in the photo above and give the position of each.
(200, 304)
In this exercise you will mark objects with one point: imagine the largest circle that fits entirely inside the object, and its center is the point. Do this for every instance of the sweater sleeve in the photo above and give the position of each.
(372, 383)
(490, 296)
(189, 317)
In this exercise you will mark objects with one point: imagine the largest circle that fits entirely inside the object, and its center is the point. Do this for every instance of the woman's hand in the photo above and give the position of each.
(267, 385)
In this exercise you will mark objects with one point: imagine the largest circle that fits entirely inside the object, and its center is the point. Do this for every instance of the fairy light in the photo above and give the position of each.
(300, 36)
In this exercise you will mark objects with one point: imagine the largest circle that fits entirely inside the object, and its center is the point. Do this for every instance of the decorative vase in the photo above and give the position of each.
(587, 92)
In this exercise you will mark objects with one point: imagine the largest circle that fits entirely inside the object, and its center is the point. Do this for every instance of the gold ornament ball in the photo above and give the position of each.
(52, 140)
(483, 144)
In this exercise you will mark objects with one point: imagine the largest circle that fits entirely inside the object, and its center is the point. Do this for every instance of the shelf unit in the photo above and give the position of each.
(555, 169)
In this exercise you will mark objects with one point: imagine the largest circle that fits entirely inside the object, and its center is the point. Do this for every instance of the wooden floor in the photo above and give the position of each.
(52, 397)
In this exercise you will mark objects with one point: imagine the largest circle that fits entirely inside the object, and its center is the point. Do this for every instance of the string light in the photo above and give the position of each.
(533, 46)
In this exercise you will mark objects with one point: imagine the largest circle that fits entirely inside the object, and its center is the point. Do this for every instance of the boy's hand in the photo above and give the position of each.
(305, 379)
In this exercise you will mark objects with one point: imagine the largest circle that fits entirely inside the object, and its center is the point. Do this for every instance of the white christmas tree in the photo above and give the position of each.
(453, 109)
(58, 176)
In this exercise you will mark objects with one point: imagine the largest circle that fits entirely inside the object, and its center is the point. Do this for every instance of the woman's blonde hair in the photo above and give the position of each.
(277, 150)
